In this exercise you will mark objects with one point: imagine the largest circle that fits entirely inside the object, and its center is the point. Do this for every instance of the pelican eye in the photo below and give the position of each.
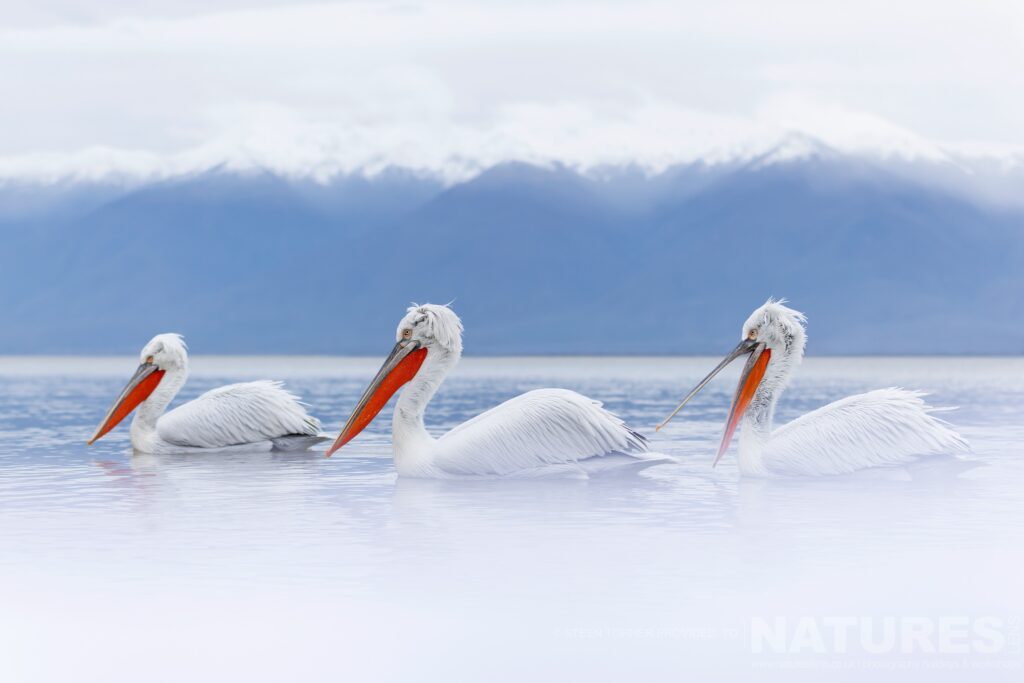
(752, 335)
(407, 333)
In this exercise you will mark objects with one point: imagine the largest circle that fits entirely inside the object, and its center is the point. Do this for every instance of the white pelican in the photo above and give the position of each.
(542, 432)
(885, 427)
(248, 416)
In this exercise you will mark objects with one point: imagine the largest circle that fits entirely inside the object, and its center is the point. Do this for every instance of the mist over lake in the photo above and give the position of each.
(263, 565)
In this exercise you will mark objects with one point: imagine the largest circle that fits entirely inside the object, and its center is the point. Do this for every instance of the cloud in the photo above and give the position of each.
(138, 89)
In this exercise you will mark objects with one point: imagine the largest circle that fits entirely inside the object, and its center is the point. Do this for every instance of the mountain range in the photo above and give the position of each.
(537, 259)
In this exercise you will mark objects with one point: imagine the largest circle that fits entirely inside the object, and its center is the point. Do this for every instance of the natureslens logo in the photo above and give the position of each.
(924, 640)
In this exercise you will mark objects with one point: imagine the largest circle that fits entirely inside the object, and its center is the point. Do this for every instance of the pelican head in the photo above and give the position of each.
(773, 339)
(427, 331)
(432, 326)
(779, 328)
(164, 353)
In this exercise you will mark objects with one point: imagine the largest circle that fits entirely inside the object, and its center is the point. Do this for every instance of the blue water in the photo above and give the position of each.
(266, 567)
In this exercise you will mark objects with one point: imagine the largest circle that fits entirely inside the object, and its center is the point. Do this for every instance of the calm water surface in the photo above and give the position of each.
(256, 567)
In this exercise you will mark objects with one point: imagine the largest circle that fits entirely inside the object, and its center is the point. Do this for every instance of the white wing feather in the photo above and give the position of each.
(885, 427)
(246, 413)
(538, 429)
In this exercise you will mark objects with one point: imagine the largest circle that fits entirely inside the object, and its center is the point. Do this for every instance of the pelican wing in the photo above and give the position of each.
(541, 428)
(885, 427)
(236, 414)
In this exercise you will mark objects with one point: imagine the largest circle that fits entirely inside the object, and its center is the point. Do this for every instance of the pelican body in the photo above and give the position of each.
(247, 416)
(885, 427)
(541, 432)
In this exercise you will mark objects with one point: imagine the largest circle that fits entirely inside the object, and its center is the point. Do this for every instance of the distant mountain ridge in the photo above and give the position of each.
(537, 260)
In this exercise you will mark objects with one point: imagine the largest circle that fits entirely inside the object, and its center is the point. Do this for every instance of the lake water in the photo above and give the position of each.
(274, 567)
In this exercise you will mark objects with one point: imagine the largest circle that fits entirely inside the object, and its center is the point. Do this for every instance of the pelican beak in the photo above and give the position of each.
(400, 367)
(750, 379)
(138, 389)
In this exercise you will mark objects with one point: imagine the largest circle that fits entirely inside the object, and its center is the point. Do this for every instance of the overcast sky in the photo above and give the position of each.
(158, 86)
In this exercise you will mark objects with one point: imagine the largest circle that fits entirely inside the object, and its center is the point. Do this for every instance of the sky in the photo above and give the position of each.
(148, 88)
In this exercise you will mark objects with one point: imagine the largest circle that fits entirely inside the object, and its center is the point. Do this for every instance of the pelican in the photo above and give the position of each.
(885, 427)
(545, 431)
(248, 416)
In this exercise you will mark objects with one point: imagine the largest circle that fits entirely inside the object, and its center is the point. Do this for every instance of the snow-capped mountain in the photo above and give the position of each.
(880, 252)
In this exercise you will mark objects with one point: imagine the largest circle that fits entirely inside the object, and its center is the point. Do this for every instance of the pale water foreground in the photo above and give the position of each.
(269, 567)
